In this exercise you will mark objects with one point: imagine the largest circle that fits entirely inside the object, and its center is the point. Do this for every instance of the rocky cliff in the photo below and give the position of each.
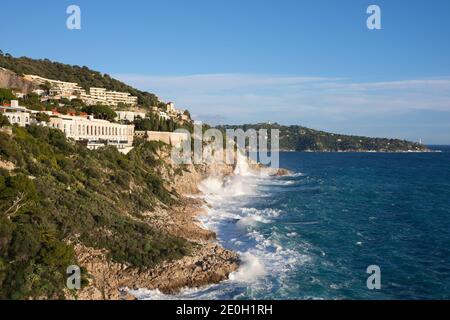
(208, 263)
(11, 80)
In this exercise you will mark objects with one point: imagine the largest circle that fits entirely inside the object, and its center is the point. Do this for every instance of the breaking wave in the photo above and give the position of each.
(236, 211)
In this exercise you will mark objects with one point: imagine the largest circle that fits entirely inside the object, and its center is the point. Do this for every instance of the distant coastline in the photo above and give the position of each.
(360, 151)
(303, 139)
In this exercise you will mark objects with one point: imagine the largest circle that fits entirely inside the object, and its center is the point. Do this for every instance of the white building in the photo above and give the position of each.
(72, 90)
(170, 107)
(129, 115)
(19, 94)
(16, 114)
(94, 132)
(22, 119)
(98, 94)
(164, 116)
(115, 98)
(39, 92)
(171, 110)
(112, 98)
(58, 88)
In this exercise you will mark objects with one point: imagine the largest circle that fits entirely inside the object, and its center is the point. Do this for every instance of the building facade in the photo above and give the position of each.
(22, 119)
(72, 90)
(16, 114)
(94, 132)
(58, 88)
(112, 98)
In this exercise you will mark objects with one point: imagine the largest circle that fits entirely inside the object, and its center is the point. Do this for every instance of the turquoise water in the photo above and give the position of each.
(312, 235)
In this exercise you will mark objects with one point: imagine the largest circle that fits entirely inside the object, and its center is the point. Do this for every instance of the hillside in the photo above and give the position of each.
(55, 194)
(84, 76)
(298, 138)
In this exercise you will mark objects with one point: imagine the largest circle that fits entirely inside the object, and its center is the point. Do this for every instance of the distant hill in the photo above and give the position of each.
(298, 138)
(84, 76)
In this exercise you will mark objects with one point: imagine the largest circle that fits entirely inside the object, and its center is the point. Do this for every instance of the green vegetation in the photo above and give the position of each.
(155, 123)
(42, 117)
(299, 138)
(61, 193)
(84, 76)
(4, 121)
(100, 112)
(6, 95)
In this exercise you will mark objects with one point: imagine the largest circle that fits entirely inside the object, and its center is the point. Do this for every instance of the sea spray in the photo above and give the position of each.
(236, 210)
(250, 270)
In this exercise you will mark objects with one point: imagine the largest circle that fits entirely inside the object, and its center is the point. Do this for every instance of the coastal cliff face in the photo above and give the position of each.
(129, 221)
(124, 219)
(208, 263)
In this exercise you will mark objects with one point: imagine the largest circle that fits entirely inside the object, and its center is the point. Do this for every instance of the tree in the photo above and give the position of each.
(6, 95)
(3, 121)
(32, 98)
(42, 117)
(45, 86)
(19, 193)
(100, 112)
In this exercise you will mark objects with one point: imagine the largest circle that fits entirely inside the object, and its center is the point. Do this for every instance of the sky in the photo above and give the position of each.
(313, 62)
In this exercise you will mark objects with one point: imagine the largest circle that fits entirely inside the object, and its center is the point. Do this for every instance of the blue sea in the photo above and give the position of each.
(312, 235)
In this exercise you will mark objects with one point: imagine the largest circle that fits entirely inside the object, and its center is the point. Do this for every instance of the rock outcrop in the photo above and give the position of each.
(207, 263)
(11, 80)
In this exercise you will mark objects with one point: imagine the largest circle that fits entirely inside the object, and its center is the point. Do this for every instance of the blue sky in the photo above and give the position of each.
(296, 62)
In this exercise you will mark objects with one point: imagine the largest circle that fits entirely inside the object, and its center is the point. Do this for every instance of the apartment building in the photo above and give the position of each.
(72, 90)
(94, 132)
(58, 88)
(120, 97)
(111, 98)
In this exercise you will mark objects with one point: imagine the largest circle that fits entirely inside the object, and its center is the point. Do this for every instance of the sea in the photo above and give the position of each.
(314, 234)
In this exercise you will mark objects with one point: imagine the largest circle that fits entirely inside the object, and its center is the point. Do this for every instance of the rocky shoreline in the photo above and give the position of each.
(207, 263)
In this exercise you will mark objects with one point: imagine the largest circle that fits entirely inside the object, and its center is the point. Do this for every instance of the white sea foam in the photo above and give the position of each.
(230, 213)
(251, 269)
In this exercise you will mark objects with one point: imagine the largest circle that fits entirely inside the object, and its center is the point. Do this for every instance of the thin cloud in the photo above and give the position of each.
(250, 97)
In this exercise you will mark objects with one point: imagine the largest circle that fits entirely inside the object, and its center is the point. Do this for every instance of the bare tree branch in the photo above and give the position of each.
(16, 206)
